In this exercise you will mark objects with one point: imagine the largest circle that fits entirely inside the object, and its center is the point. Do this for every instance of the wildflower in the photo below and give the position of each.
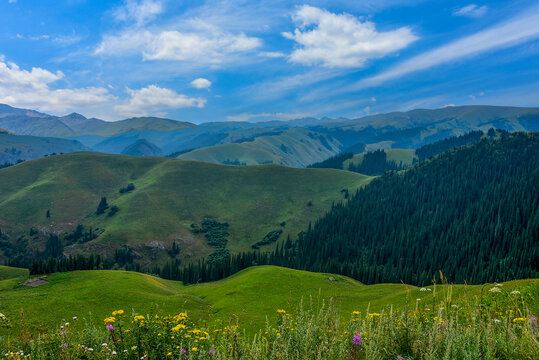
(114, 352)
(184, 352)
(110, 320)
(139, 318)
(169, 354)
(399, 357)
(497, 320)
(75, 318)
(533, 319)
(194, 349)
(495, 290)
(110, 327)
(281, 311)
(422, 289)
(212, 351)
(519, 320)
(418, 299)
(515, 292)
(357, 339)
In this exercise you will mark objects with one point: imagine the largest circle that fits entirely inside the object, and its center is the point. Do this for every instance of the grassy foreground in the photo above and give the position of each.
(248, 296)
(265, 313)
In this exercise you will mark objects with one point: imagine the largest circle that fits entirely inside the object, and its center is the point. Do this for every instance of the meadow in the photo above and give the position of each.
(157, 319)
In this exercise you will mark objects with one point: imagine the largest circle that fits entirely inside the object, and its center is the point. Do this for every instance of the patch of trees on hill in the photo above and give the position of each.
(473, 137)
(375, 163)
(335, 162)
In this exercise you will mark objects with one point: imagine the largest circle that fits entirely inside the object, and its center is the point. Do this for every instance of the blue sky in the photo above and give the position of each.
(204, 61)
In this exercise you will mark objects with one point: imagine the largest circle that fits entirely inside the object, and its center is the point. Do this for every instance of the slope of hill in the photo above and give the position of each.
(142, 147)
(7, 272)
(294, 147)
(100, 292)
(472, 213)
(22, 147)
(112, 128)
(169, 197)
(418, 127)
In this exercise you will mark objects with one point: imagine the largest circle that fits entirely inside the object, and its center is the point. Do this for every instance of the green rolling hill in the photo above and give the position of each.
(404, 156)
(80, 293)
(294, 147)
(7, 272)
(169, 197)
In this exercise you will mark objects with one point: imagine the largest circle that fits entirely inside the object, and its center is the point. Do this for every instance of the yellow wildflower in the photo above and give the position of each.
(194, 349)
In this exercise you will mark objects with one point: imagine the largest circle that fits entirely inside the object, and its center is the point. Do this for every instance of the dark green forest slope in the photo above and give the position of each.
(472, 213)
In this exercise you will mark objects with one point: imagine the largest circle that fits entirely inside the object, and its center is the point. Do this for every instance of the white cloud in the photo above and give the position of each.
(341, 40)
(208, 45)
(471, 10)
(272, 54)
(373, 99)
(201, 83)
(276, 116)
(12, 1)
(154, 99)
(139, 12)
(23, 88)
(517, 30)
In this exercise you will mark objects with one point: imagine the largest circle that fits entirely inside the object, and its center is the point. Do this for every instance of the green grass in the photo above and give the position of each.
(406, 156)
(248, 296)
(7, 272)
(170, 195)
(294, 147)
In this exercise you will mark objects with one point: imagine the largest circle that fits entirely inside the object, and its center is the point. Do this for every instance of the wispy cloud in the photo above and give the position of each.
(154, 99)
(517, 30)
(471, 10)
(265, 116)
(341, 40)
(201, 83)
(138, 12)
(203, 43)
(31, 88)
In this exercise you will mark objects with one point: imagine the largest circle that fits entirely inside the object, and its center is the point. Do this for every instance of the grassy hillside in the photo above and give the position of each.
(7, 272)
(99, 292)
(107, 129)
(406, 156)
(22, 147)
(142, 148)
(294, 147)
(170, 195)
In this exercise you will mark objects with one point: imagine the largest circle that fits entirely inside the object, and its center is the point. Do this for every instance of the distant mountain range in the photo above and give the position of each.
(296, 142)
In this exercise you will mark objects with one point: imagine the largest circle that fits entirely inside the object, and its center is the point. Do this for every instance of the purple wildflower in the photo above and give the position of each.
(66, 344)
(357, 339)
(533, 319)
(212, 351)
(110, 327)
(399, 357)
(184, 352)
